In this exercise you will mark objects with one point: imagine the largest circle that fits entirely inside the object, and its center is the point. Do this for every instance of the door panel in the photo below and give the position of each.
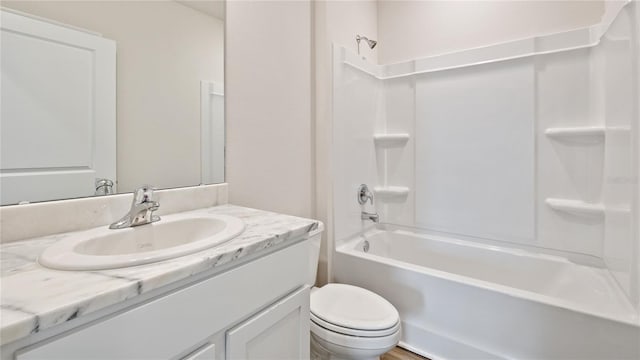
(57, 128)
(279, 332)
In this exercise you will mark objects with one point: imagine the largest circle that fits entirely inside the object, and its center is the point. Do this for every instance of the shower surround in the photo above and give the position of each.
(526, 150)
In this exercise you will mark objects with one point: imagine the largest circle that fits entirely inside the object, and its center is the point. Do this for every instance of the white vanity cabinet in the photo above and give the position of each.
(279, 332)
(258, 310)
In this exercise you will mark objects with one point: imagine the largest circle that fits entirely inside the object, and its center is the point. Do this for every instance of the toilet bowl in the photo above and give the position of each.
(349, 322)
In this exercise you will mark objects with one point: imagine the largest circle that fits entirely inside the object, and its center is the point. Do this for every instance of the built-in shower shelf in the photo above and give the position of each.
(591, 134)
(576, 207)
(391, 193)
(390, 140)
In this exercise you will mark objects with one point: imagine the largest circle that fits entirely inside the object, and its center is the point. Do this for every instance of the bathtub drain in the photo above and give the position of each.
(365, 246)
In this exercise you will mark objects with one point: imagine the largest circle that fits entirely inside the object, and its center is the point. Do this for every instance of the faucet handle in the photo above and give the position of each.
(143, 194)
(364, 194)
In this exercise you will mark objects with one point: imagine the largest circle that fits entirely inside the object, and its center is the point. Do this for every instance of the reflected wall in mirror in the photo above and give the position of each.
(103, 96)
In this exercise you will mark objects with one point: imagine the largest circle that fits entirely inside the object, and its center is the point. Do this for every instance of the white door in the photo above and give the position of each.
(279, 332)
(58, 117)
(212, 132)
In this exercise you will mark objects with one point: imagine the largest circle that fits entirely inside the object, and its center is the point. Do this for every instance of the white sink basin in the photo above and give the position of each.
(172, 236)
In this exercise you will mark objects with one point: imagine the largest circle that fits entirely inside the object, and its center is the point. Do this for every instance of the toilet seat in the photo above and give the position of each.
(354, 332)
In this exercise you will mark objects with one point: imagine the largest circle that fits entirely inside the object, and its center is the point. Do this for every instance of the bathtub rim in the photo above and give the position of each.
(349, 247)
(571, 256)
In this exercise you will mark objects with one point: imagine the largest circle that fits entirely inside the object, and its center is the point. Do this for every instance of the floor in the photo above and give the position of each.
(399, 353)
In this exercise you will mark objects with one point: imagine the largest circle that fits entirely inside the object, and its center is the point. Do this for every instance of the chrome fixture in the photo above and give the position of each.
(370, 216)
(371, 43)
(141, 212)
(365, 195)
(104, 187)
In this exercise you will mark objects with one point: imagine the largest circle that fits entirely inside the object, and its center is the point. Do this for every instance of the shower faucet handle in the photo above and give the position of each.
(364, 194)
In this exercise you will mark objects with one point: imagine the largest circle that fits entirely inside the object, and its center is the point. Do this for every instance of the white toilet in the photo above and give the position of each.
(349, 322)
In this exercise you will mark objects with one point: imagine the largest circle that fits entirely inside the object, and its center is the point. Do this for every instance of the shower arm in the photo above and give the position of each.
(370, 43)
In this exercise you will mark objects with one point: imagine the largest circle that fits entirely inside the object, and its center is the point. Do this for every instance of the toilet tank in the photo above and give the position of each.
(315, 237)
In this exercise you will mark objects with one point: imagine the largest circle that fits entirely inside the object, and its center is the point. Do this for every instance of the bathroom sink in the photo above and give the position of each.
(173, 236)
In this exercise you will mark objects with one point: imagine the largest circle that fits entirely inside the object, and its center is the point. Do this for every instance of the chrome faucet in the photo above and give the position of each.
(141, 211)
(365, 195)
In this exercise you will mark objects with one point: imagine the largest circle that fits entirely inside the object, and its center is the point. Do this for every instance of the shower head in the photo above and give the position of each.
(371, 43)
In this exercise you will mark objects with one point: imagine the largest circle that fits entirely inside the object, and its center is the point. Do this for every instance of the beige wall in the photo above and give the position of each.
(278, 140)
(164, 49)
(339, 22)
(416, 29)
(269, 105)
(636, 230)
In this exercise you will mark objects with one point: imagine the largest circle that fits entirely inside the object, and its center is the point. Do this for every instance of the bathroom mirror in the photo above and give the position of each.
(100, 97)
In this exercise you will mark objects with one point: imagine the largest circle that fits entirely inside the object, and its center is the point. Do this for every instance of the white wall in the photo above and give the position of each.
(616, 59)
(270, 145)
(335, 22)
(408, 30)
(477, 163)
(357, 116)
(417, 29)
(564, 169)
(163, 50)
(501, 112)
(474, 153)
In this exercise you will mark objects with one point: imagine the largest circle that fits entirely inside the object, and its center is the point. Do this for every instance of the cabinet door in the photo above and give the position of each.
(279, 332)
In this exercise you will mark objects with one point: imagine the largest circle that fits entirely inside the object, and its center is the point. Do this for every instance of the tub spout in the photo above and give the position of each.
(369, 216)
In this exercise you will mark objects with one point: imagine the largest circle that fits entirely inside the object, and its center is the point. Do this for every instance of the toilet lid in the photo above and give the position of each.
(353, 307)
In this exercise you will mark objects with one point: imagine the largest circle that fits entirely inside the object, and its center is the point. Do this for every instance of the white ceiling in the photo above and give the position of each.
(214, 8)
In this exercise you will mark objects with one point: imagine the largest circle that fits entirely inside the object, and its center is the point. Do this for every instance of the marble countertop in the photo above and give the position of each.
(35, 298)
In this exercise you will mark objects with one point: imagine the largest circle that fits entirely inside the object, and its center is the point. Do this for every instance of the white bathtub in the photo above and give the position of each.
(463, 300)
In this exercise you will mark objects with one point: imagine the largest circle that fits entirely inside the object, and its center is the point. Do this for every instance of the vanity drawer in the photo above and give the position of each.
(182, 321)
(206, 352)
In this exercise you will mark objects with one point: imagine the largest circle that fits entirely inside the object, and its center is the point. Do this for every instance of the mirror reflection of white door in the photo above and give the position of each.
(58, 117)
(212, 132)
